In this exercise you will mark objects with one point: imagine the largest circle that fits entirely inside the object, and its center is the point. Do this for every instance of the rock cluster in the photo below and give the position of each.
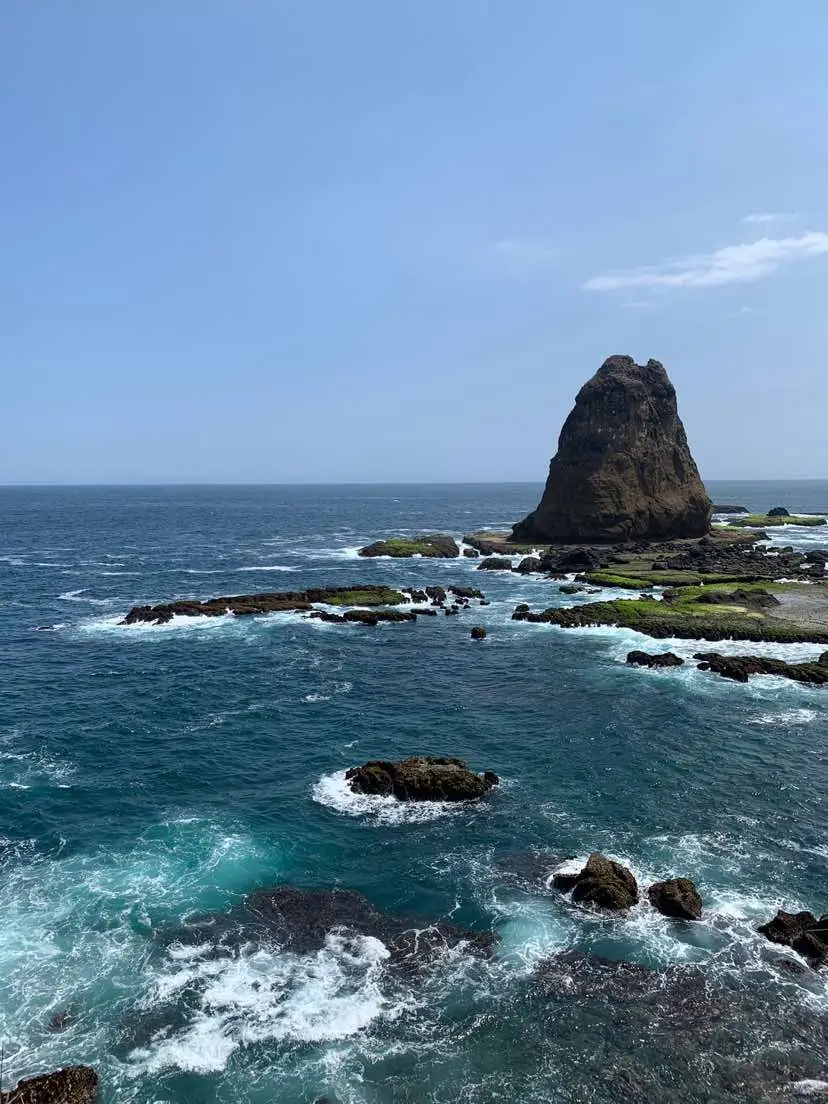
(421, 778)
(72, 1085)
(660, 659)
(740, 668)
(802, 931)
(623, 470)
(677, 897)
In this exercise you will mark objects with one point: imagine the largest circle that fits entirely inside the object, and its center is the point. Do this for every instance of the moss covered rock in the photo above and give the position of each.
(421, 778)
(438, 546)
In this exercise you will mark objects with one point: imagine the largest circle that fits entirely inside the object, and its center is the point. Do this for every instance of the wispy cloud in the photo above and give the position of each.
(733, 264)
(770, 216)
(520, 256)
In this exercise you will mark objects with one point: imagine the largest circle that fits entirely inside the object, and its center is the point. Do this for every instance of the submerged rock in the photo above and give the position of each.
(438, 546)
(478, 632)
(623, 469)
(72, 1085)
(677, 897)
(421, 778)
(602, 883)
(648, 659)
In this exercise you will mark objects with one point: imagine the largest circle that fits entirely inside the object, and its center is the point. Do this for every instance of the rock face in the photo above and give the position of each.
(779, 511)
(623, 470)
(649, 659)
(602, 883)
(421, 778)
(73, 1085)
(802, 931)
(677, 897)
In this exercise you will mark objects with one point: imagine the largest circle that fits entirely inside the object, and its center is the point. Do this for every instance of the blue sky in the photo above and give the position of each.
(253, 240)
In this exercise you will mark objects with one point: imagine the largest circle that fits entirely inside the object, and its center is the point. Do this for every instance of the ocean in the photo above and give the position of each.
(150, 775)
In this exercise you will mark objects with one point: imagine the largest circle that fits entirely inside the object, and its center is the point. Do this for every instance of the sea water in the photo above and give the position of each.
(149, 774)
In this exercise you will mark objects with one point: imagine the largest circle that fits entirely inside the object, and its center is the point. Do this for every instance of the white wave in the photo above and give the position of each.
(266, 567)
(23, 770)
(786, 717)
(808, 1087)
(316, 698)
(79, 596)
(267, 995)
(334, 792)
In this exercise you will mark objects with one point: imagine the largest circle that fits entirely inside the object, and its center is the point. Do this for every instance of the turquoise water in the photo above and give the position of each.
(148, 774)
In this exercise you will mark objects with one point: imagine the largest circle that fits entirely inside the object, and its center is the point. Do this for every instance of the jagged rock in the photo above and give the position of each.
(466, 592)
(623, 469)
(72, 1085)
(648, 659)
(421, 778)
(802, 931)
(528, 565)
(478, 633)
(471, 553)
(740, 668)
(677, 897)
(495, 563)
(437, 546)
(779, 511)
(602, 883)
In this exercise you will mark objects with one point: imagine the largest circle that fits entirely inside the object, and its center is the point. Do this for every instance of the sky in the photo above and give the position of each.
(307, 241)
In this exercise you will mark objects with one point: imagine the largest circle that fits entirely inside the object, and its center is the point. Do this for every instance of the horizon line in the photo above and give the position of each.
(357, 483)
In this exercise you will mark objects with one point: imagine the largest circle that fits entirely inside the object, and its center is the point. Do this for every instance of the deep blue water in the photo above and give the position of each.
(151, 773)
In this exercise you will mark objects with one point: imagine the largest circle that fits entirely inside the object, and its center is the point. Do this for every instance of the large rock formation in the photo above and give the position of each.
(73, 1085)
(623, 469)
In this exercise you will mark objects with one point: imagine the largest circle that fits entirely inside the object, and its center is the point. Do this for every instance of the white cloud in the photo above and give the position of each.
(779, 216)
(733, 264)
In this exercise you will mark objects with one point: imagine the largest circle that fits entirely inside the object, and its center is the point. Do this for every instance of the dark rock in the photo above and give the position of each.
(779, 511)
(740, 668)
(436, 593)
(466, 592)
(576, 559)
(495, 563)
(471, 553)
(647, 659)
(528, 565)
(478, 633)
(718, 508)
(575, 974)
(72, 1085)
(800, 930)
(623, 469)
(572, 588)
(602, 883)
(757, 599)
(421, 778)
(60, 1021)
(677, 898)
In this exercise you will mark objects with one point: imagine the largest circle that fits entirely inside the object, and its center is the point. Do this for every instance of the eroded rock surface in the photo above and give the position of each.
(602, 883)
(421, 778)
(623, 469)
(73, 1085)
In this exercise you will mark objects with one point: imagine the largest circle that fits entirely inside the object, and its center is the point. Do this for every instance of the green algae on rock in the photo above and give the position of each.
(438, 546)
(763, 521)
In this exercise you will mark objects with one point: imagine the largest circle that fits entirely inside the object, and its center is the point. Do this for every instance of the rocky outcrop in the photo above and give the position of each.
(648, 659)
(437, 546)
(495, 563)
(623, 470)
(478, 633)
(802, 931)
(72, 1085)
(528, 565)
(602, 883)
(740, 668)
(677, 897)
(779, 511)
(421, 778)
(727, 508)
(304, 601)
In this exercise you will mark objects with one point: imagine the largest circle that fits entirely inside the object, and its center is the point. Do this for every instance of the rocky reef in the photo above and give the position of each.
(305, 601)
(421, 778)
(436, 546)
(602, 883)
(72, 1085)
(623, 470)
(801, 931)
(740, 668)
